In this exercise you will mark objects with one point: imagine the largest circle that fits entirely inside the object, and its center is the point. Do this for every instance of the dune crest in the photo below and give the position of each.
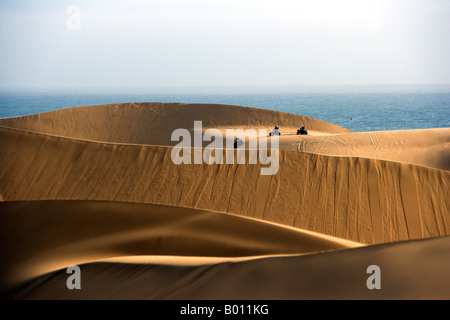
(409, 270)
(71, 232)
(153, 123)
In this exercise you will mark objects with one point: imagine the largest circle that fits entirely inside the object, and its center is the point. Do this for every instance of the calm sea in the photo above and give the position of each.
(357, 108)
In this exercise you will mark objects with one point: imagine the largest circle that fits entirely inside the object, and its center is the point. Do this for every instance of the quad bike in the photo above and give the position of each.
(275, 132)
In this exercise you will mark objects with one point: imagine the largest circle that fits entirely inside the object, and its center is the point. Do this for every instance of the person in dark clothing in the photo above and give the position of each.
(302, 130)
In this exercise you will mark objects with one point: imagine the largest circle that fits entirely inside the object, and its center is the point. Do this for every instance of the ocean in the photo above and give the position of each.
(358, 108)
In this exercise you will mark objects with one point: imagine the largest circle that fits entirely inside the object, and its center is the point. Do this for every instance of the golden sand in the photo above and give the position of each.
(95, 186)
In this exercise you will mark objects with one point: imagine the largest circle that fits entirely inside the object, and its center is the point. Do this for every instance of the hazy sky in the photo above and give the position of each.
(223, 43)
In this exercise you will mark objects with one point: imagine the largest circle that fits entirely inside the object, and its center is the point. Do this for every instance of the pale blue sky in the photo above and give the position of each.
(224, 43)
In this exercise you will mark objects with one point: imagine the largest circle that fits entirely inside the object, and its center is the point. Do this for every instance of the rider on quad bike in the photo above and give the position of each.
(275, 131)
(302, 130)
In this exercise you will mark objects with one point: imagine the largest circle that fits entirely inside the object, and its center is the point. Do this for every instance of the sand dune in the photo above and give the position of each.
(50, 235)
(153, 123)
(362, 200)
(408, 270)
(429, 147)
(144, 227)
(424, 147)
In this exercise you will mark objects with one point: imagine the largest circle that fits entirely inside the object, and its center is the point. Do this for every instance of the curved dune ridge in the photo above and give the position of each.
(415, 269)
(153, 123)
(63, 233)
(362, 200)
(139, 217)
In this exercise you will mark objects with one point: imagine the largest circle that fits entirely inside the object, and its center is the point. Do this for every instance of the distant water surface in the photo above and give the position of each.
(358, 108)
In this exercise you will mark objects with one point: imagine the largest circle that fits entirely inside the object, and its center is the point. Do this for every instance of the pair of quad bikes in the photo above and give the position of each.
(276, 131)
